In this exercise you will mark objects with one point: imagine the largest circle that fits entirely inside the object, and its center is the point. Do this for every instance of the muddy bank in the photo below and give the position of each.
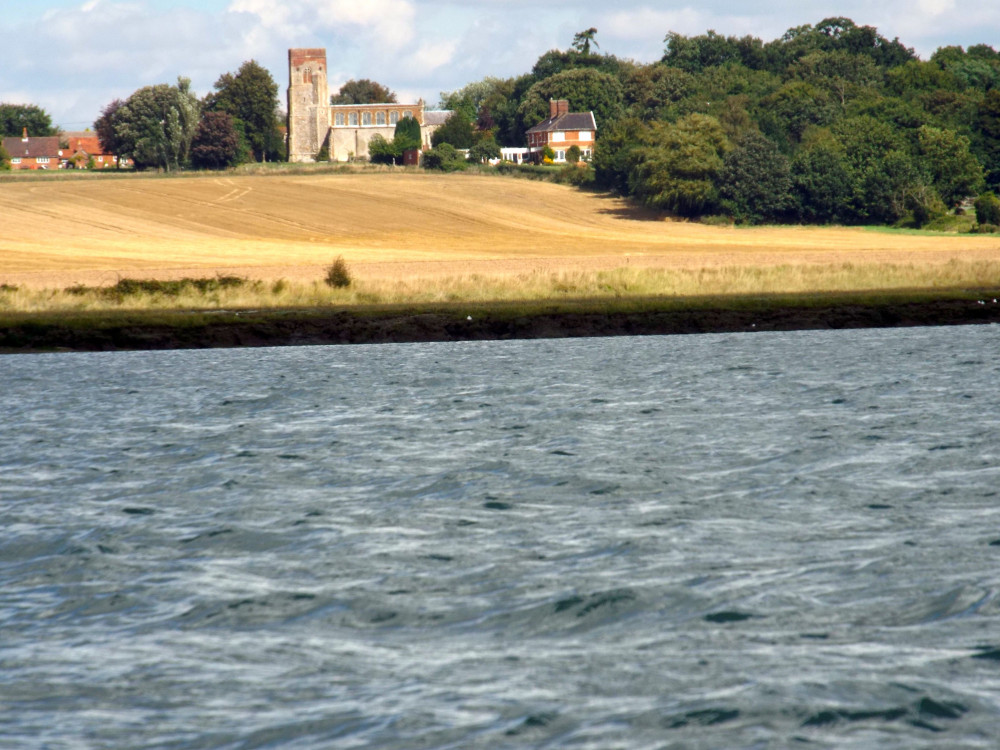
(296, 328)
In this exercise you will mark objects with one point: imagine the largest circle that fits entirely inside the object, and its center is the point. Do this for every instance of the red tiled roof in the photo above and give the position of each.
(32, 148)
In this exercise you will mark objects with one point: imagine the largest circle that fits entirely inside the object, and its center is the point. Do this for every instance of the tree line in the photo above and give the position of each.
(833, 122)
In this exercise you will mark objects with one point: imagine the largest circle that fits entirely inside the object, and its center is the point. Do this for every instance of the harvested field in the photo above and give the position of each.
(398, 225)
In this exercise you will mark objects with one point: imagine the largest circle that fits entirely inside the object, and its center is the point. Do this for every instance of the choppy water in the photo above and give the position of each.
(726, 541)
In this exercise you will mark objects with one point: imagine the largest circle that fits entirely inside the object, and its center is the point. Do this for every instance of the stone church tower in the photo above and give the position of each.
(308, 103)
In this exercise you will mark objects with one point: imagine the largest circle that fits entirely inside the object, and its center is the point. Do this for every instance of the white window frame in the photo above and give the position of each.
(366, 119)
(560, 156)
(380, 119)
(338, 119)
(352, 119)
(42, 160)
(558, 137)
(586, 135)
(393, 118)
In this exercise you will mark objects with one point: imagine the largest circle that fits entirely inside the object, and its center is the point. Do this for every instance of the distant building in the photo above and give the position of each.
(26, 152)
(562, 130)
(345, 130)
(85, 152)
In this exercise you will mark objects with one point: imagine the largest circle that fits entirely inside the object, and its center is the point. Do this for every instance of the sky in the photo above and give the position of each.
(72, 57)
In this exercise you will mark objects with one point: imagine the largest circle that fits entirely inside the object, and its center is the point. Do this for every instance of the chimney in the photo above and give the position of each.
(24, 136)
(562, 107)
(553, 109)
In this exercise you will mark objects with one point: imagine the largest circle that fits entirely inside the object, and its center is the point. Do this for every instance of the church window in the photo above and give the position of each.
(393, 118)
(366, 118)
(407, 113)
(380, 118)
(353, 119)
(339, 119)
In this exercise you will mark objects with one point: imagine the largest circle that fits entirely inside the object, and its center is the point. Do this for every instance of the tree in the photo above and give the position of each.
(14, 118)
(988, 209)
(155, 126)
(587, 91)
(363, 91)
(250, 96)
(106, 128)
(457, 131)
(216, 144)
(407, 134)
(382, 151)
(484, 150)
(443, 157)
(583, 39)
(822, 182)
(755, 183)
(678, 167)
(615, 153)
(955, 173)
(4, 159)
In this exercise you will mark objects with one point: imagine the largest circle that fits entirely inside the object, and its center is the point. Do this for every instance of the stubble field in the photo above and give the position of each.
(409, 233)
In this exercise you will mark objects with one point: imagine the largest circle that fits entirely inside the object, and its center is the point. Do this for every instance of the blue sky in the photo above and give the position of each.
(72, 57)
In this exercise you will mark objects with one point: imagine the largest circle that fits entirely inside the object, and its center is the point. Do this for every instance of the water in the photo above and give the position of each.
(725, 541)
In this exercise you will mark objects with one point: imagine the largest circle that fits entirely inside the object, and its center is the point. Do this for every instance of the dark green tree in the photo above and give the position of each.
(954, 171)
(988, 209)
(407, 135)
(678, 167)
(755, 183)
(822, 183)
(14, 118)
(586, 90)
(216, 144)
(444, 158)
(483, 150)
(382, 151)
(250, 96)
(457, 130)
(106, 129)
(583, 39)
(155, 126)
(363, 91)
(4, 159)
(615, 153)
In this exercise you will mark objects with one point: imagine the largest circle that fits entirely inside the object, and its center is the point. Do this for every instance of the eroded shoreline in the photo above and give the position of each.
(31, 334)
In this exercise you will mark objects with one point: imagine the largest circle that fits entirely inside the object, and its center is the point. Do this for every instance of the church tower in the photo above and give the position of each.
(308, 103)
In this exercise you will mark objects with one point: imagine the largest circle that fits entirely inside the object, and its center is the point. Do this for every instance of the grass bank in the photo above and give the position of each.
(111, 330)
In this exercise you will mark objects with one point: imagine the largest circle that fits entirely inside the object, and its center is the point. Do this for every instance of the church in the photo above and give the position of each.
(344, 129)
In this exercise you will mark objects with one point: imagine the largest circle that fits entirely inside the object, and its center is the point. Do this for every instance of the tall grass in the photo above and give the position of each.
(619, 283)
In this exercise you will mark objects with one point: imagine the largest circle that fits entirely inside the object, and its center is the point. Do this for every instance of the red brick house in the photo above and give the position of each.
(85, 152)
(562, 130)
(34, 153)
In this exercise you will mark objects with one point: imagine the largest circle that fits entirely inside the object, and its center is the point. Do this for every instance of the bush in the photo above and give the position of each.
(576, 174)
(337, 275)
(986, 229)
(573, 154)
(443, 157)
(987, 209)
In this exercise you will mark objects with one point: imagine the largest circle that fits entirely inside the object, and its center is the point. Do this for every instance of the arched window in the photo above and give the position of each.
(380, 118)
(366, 118)
(339, 119)
(352, 119)
(393, 118)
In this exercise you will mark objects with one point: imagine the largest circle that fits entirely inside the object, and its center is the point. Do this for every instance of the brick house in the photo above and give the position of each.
(42, 152)
(562, 130)
(85, 146)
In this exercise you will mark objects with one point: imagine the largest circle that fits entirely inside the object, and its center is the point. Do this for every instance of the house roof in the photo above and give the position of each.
(85, 141)
(571, 121)
(436, 116)
(21, 148)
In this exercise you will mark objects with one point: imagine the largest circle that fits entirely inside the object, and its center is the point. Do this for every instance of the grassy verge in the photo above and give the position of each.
(622, 284)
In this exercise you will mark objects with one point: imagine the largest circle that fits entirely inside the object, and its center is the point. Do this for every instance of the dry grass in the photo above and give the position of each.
(531, 286)
(409, 236)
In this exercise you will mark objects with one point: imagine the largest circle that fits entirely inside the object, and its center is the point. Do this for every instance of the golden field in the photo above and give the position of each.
(408, 234)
